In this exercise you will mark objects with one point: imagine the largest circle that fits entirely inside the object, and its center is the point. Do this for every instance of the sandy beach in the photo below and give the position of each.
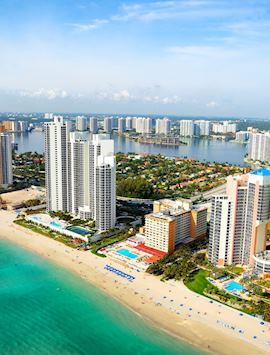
(170, 306)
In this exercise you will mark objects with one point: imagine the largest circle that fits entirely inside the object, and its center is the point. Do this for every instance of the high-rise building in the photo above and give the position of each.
(6, 177)
(242, 136)
(121, 125)
(259, 147)
(23, 126)
(186, 128)
(93, 125)
(80, 173)
(48, 116)
(105, 213)
(202, 128)
(56, 143)
(108, 124)
(163, 126)
(143, 125)
(81, 123)
(129, 123)
(224, 127)
(239, 219)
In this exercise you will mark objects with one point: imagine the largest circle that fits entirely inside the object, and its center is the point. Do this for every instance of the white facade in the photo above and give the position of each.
(108, 124)
(202, 128)
(6, 177)
(220, 236)
(143, 125)
(93, 125)
(129, 123)
(105, 210)
(81, 123)
(224, 127)
(259, 147)
(242, 136)
(163, 126)
(23, 126)
(56, 143)
(121, 125)
(186, 128)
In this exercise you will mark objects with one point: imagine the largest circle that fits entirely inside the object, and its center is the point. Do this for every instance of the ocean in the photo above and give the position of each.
(44, 309)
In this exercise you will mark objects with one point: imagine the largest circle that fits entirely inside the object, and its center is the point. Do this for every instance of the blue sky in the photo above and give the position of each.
(187, 57)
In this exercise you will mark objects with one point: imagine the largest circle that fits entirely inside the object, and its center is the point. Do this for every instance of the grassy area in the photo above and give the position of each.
(70, 242)
(236, 270)
(197, 281)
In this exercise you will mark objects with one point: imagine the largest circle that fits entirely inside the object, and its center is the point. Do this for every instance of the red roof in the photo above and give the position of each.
(150, 251)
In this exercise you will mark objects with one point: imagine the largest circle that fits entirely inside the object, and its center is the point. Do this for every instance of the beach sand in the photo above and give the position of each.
(170, 306)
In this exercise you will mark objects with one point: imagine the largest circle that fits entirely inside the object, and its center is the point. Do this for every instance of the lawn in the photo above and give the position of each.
(197, 281)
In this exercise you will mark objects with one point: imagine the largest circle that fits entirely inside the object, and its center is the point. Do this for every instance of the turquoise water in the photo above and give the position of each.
(46, 310)
(79, 230)
(127, 253)
(55, 224)
(234, 286)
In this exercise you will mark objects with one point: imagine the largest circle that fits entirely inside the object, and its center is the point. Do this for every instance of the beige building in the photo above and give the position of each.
(174, 222)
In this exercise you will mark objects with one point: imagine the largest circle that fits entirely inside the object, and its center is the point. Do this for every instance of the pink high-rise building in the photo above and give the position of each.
(239, 220)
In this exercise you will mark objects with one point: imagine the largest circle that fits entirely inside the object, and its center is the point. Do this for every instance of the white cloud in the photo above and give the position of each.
(212, 104)
(122, 95)
(167, 100)
(49, 94)
(79, 27)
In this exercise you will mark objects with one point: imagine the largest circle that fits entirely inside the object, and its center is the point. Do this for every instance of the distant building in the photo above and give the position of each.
(81, 123)
(242, 136)
(48, 116)
(23, 126)
(108, 124)
(6, 177)
(163, 126)
(129, 123)
(93, 125)
(201, 128)
(143, 125)
(259, 147)
(224, 127)
(121, 125)
(186, 128)
(239, 220)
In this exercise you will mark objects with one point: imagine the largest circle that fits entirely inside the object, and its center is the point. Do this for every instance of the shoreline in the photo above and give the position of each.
(198, 329)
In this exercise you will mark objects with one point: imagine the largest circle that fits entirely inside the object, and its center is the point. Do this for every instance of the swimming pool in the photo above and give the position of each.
(127, 253)
(79, 230)
(234, 286)
(55, 224)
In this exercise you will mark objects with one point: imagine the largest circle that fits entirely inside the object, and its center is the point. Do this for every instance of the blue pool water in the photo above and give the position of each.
(127, 253)
(55, 224)
(79, 230)
(234, 286)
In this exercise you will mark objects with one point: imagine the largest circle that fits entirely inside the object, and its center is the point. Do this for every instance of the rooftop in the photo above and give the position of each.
(261, 172)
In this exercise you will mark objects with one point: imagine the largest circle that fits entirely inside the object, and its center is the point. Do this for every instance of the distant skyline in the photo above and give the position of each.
(189, 57)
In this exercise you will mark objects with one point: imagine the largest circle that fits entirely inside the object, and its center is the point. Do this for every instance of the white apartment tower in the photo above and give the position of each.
(93, 125)
(6, 177)
(121, 125)
(108, 124)
(163, 126)
(186, 128)
(81, 123)
(56, 139)
(105, 213)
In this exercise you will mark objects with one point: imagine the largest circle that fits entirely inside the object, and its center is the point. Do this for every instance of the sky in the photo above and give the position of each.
(187, 57)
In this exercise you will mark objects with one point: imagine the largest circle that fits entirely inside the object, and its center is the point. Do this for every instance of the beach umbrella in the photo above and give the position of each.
(262, 323)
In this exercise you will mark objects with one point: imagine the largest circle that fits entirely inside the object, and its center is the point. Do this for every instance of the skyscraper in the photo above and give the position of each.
(186, 128)
(6, 177)
(121, 125)
(239, 219)
(93, 125)
(81, 123)
(108, 124)
(163, 126)
(56, 141)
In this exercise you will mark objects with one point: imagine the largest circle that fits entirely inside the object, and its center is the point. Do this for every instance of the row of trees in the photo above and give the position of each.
(137, 187)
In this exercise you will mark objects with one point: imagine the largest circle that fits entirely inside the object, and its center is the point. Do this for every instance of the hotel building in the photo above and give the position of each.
(6, 177)
(81, 123)
(93, 125)
(173, 223)
(121, 125)
(239, 220)
(108, 124)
